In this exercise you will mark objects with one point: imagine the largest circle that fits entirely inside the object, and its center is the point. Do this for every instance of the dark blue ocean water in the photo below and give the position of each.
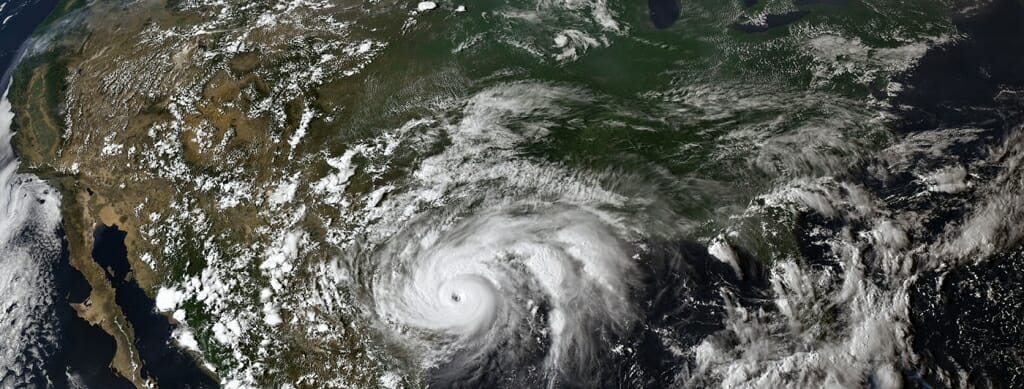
(75, 353)
(663, 13)
(169, 365)
(18, 19)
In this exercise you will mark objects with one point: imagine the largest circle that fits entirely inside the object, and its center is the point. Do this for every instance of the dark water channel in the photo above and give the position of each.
(162, 360)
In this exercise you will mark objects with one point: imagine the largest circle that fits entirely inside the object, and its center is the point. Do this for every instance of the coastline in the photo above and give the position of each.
(93, 341)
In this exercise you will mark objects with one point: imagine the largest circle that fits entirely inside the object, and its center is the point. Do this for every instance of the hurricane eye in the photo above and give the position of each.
(456, 297)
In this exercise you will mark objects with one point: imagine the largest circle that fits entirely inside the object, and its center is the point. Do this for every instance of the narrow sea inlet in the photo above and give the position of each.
(163, 360)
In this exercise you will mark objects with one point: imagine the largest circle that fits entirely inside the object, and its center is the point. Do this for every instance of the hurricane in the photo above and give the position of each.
(550, 280)
(491, 267)
(491, 287)
(513, 194)
(537, 284)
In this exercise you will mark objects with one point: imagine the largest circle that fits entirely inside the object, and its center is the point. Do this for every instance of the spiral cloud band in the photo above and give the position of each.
(556, 274)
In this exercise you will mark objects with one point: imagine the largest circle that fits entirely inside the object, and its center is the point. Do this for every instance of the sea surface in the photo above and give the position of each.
(46, 344)
(169, 365)
(18, 19)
